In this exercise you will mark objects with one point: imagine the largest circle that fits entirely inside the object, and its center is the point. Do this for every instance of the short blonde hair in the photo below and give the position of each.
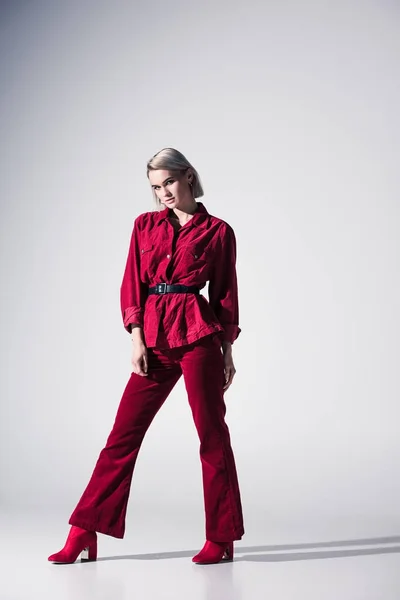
(171, 159)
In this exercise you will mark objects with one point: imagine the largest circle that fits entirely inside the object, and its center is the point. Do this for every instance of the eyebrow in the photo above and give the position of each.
(171, 177)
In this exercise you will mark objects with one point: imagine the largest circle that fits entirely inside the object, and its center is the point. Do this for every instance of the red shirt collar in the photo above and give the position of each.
(200, 217)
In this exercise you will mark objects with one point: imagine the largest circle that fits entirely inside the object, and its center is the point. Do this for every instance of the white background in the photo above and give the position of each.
(290, 113)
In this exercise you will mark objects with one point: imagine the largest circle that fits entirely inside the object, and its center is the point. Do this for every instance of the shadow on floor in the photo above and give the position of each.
(279, 553)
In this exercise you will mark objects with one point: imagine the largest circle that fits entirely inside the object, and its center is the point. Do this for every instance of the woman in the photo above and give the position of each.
(175, 330)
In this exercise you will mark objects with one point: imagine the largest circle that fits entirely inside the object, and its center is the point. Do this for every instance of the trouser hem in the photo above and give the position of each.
(224, 537)
(98, 527)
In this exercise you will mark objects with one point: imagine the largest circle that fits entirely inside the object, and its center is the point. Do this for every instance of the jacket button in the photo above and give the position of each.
(195, 255)
(168, 256)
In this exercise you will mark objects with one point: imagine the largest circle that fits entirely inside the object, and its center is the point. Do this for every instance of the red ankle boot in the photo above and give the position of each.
(79, 541)
(214, 552)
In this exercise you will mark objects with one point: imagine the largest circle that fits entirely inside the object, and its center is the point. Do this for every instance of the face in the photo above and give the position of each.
(172, 190)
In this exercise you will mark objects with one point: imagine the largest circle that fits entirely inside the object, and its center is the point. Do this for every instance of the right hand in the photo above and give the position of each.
(139, 359)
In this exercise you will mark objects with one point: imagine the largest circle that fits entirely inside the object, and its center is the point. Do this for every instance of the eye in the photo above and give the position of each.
(157, 187)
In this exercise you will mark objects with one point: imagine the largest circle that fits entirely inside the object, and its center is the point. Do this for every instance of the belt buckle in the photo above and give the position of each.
(161, 288)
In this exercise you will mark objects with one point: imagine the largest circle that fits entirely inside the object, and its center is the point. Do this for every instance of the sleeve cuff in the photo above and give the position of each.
(133, 314)
(231, 333)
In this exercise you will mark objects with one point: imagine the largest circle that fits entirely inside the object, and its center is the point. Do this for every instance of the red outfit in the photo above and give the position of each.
(183, 335)
(103, 504)
(204, 249)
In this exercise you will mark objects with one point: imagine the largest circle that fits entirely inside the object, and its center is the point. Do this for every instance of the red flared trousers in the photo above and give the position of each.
(103, 504)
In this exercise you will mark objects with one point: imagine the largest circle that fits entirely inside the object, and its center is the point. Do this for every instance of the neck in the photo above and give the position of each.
(184, 214)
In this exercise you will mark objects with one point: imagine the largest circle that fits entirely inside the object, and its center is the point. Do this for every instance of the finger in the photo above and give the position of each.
(232, 375)
(145, 364)
(137, 368)
(225, 379)
(143, 367)
(228, 377)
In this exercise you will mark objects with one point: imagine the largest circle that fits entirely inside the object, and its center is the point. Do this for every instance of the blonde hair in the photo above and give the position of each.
(171, 159)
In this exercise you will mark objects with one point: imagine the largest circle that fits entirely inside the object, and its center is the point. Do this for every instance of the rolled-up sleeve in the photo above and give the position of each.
(223, 286)
(133, 292)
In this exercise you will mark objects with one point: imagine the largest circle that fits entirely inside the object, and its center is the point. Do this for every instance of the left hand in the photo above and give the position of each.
(229, 368)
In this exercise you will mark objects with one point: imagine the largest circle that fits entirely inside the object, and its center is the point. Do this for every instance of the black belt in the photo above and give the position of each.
(166, 288)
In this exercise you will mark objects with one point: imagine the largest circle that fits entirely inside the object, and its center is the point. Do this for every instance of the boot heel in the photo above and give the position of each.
(228, 554)
(89, 553)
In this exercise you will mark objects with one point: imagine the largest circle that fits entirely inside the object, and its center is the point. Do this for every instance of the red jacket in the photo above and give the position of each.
(204, 249)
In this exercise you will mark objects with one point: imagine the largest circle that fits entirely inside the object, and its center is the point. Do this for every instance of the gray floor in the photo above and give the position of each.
(156, 563)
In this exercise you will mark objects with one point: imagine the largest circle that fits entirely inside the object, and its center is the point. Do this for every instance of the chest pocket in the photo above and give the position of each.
(197, 251)
(146, 259)
(197, 257)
